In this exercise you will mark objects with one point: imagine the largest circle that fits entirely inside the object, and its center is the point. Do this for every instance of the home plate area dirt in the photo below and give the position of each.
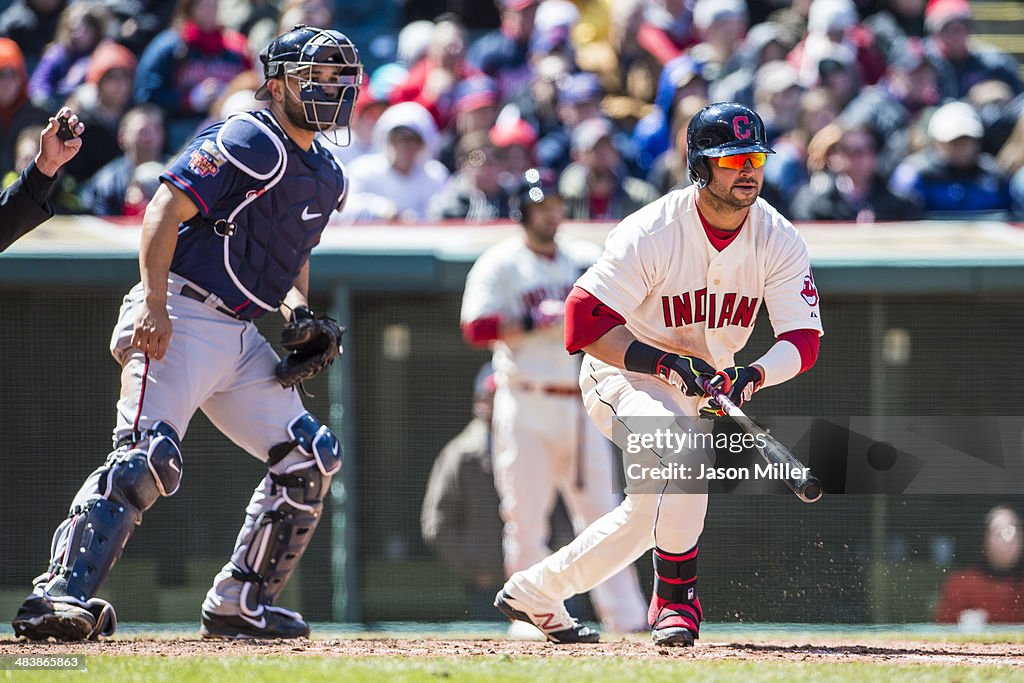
(776, 649)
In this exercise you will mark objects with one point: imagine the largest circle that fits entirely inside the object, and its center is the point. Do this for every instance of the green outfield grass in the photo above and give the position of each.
(589, 669)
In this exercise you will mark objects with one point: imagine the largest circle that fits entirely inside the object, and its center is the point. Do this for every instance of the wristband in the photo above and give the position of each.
(640, 357)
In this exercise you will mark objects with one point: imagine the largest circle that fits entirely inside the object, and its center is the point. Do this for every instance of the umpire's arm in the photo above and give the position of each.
(24, 205)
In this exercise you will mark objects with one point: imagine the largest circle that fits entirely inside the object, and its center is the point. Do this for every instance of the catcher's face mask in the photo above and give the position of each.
(322, 74)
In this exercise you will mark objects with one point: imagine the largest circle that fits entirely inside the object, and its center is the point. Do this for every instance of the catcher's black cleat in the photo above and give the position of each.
(64, 618)
(273, 622)
(555, 623)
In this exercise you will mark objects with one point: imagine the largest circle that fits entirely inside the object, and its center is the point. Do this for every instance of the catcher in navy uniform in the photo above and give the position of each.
(226, 239)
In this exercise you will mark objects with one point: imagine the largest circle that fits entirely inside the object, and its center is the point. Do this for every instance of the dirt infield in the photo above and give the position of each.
(822, 650)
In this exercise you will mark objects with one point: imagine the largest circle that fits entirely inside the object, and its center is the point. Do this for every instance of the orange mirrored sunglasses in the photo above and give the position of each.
(736, 161)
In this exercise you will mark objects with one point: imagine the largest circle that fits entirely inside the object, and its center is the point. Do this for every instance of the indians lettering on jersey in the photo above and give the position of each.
(534, 297)
(716, 311)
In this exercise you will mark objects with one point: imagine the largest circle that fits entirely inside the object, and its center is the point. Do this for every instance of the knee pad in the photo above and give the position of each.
(148, 471)
(312, 439)
(108, 508)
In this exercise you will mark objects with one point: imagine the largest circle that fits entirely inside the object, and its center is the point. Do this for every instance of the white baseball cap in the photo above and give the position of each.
(955, 120)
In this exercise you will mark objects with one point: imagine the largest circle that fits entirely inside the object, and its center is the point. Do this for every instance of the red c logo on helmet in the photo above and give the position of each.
(741, 127)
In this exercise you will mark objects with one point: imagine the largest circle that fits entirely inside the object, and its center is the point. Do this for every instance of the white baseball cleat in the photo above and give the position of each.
(554, 620)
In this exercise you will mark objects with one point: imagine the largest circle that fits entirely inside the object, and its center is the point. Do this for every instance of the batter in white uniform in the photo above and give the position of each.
(672, 298)
(544, 445)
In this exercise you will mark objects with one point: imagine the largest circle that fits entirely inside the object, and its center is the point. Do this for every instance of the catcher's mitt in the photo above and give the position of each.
(313, 344)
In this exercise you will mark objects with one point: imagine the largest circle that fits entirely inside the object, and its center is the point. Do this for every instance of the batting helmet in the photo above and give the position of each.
(326, 102)
(536, 185)
(720, 130)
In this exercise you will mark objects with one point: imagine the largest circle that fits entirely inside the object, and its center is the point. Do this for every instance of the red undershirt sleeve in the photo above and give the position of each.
(807, 342)
(482, 331)
(587, 319)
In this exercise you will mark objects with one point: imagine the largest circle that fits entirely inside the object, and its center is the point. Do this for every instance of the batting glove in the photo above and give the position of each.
(682, 372)
(738, 384)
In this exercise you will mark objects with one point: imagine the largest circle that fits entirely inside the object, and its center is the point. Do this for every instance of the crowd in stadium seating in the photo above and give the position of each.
(876, 110)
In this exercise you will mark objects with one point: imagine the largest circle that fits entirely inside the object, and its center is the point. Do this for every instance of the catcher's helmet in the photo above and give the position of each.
(535, 186)
(719, 130)
(326, 102)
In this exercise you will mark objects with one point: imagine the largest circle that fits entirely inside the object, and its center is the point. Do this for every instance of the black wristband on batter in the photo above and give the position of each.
(643, 358)
(527, 322)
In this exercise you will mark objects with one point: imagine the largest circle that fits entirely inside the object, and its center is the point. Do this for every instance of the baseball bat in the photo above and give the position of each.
(799, 479)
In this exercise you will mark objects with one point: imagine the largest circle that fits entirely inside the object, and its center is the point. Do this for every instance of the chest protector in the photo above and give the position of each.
(267, 225)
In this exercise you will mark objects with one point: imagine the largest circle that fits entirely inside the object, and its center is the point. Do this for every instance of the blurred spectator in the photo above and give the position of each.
(833, 33)
(959, 63)
(432, 81)
(65, 63)
(460, 519)
(26, 147)
(817, 110)
(620, 62)
(1011, 161)
(897, 21)
(681, 77)
(318, 13)
(185, 69)
(368, 109)
(848, 187)
(238, 95)
(16, 111)
(720, 26)
(31, 24)
(256, 19)
(791, 16)
(539, 103)
(514, 141)
(137, 22)
(398, 181)
(764, 43)
(667, 29)
(670, 171)
(594, 186)
(952, 175)
(101, 102)
(999, 111)
(993, 590)
(578, 101)
(475, 109)
(502, 54)
(414, 42)
(896, 103)
(141, 139)
(552, 31)
(475, 192)
(143, 185)
(839, 77)
(777, 98)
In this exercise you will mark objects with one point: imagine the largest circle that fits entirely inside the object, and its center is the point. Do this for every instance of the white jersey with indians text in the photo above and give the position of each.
(677, 292)
(507, 281)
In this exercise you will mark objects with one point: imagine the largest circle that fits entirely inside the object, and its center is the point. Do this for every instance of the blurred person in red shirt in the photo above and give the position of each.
(432, 80)
(994, 591)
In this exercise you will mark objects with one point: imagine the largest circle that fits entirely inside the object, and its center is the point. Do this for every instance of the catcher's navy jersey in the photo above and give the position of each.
(263, 203)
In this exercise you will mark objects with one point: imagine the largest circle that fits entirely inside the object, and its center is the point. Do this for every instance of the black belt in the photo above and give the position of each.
(190, 292)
